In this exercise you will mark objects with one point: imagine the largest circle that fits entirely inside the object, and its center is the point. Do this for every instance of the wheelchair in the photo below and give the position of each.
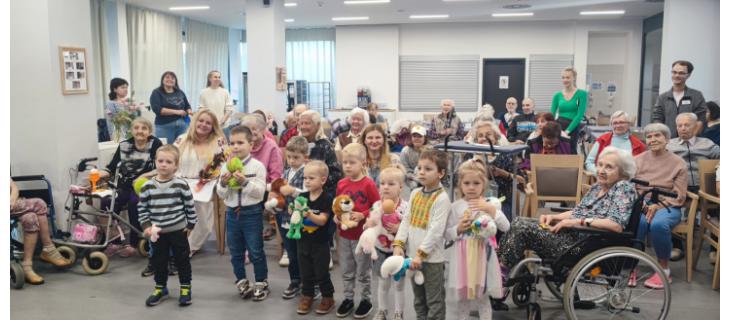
(17, 275)
(591, 277)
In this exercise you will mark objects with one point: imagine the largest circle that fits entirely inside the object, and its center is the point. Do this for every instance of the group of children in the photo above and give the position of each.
(427, 219)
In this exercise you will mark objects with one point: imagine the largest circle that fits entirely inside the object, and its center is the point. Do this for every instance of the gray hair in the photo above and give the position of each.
(251, 120)
(691, 115)
(453, 104)
(658, 127)
(626, 162)
(478, 124)
(617, 114)
(359, 111)
(316, 120)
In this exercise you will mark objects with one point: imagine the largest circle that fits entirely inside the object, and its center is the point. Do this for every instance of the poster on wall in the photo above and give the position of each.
(504, 82)
(74, 70)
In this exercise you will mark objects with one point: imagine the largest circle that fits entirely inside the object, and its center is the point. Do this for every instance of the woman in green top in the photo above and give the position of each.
(569, 105)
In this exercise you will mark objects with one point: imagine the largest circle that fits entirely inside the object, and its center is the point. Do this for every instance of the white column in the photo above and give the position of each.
(265, 38)
(691, 32)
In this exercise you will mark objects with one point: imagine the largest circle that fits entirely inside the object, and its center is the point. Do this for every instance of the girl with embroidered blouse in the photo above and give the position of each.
(474, 272)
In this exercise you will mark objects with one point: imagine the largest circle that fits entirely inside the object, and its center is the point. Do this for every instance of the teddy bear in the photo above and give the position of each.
(398, 267)
(342, 207)
(278, 189)
(298, 209)
(375, 229)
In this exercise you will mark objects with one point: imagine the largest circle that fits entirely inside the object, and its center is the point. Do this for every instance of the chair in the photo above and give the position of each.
(708, 199)
(555, 178)
(685, 230)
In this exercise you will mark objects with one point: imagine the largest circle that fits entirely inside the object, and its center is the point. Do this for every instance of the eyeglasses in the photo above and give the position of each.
(616, 123)
(675, 73)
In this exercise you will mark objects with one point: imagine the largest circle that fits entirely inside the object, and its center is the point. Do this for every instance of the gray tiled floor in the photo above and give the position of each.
(120, 294)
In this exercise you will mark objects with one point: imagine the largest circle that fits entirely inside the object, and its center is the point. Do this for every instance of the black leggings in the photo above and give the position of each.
(178, 242)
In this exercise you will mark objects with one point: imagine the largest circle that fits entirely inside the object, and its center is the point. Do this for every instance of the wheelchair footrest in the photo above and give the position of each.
(584, 305)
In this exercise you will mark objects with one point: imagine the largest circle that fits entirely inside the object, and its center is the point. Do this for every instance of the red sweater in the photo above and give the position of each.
(364, 194)
(637, 147)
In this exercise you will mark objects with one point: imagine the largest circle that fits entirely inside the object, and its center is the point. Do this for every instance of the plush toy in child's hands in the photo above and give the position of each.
(299, 208)
(278, 189)
(484, 225)
(234, 165)
(342, 208)
(154, 232)
(399, 267)
(375, 229)
(137, 185)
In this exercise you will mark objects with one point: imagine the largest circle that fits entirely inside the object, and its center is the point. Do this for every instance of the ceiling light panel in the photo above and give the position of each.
(350, 18)
(602, 13)
(189, 8)
(366, 1)
(509, 15)
(429, 16)
(290, 4)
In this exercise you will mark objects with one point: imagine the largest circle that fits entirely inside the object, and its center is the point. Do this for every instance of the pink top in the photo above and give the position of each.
(269, 154)
(269, 135)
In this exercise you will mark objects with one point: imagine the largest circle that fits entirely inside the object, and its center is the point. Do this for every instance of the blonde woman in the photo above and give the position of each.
(569, 105)
(378, 152)
(216, 99)
(203, 140)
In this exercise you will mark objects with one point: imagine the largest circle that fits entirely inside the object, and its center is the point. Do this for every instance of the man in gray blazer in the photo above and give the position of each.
(679, 99)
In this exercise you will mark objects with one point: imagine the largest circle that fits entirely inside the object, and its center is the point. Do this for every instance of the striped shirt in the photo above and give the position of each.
(168, 204)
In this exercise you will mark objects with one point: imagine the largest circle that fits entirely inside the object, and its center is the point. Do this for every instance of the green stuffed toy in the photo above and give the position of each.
(298, 208)
(138, 184)
(234, 165)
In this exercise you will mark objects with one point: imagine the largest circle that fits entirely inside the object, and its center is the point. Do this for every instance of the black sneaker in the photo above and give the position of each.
(291, 291)
(245, 290)
(363, 310)
(160, 293)
(345, 308)
(260, 290)
(186, 295)
(148, 270)
(171, 269)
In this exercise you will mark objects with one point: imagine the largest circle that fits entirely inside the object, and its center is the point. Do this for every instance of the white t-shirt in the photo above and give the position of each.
(678, 96)
(218, 101)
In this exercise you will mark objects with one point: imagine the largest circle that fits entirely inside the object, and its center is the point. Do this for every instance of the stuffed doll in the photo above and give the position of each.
(375, 229)
(342, 208)
(138, 184)
(278, 189)
(299, 209)
(234, 165)
(398, 267)
(484, 225)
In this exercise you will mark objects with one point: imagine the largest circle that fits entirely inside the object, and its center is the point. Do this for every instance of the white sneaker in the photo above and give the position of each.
(284, 261)
(331, 264)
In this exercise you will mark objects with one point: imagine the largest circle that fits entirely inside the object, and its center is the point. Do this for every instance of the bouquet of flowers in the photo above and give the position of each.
(122, 119)
(211, 171)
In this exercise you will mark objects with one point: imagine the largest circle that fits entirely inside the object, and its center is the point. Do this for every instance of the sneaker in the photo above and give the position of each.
(326, 305)
(713, 257)
(398, 315)
(345, 308)
(148, 271)
(381, 315)
(655, 282)
(244, 288)
(260, 290)
(160, 293)
(186, 295)
(284, 261)
(172, 269)
(632, 279)
(363, 310)
(677, 254)
(291, 291)
(112, 249)
(127, 251)
(305, 305)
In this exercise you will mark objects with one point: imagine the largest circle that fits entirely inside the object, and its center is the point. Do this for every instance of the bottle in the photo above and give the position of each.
(94, 178)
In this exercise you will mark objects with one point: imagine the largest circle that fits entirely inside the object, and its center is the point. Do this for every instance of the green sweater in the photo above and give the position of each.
(573, 109)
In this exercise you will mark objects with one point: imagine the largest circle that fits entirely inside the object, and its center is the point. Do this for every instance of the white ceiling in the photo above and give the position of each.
(318, 13)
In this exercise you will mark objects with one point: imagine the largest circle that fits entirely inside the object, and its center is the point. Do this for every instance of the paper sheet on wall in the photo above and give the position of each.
(205, 193)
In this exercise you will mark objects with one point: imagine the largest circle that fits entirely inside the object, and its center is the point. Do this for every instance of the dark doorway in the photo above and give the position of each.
(503, 78)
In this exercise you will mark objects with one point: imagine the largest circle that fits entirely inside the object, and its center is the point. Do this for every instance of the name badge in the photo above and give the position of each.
(685, 101)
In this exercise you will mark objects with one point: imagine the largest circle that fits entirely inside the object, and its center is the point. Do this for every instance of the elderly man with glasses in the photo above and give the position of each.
(619, 137)
(679, 99)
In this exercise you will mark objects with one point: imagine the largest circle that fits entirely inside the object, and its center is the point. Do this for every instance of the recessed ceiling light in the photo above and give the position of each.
(189, 8)
(366, 1)
(290, 4)
(288, 20)
(350, 18)
(516, 14)
(600, 13)
(429, 16)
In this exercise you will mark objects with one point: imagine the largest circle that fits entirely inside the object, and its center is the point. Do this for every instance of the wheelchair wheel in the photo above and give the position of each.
(95, 263)
(142, 248)
(17, 275)
(601, 279)
(521, 294)
(68, 253)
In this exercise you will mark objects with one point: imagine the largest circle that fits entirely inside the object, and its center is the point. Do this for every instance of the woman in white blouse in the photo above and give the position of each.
(217, 99)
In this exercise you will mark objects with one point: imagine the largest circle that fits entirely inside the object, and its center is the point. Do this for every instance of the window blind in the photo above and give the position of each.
(426, 80)
(544, 78)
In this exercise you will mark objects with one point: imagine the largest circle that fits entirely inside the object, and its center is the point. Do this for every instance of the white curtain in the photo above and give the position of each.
(155, 46)
(101, 42)
(310, 56)
(206, 50)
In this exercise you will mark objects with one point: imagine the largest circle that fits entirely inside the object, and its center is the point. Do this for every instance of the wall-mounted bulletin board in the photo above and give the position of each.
(74, 70)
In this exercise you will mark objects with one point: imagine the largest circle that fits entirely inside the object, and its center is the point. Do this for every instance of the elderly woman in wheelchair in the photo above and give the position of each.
(585, 255)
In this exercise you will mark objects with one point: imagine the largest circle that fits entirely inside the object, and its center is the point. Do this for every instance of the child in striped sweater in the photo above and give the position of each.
(167, 203)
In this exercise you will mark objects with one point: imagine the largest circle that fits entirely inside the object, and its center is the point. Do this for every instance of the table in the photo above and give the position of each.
(467, 147)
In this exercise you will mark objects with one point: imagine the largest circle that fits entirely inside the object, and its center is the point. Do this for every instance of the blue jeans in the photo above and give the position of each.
(291, 251)
(171, 130)
(244, 232)
(660, 230)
